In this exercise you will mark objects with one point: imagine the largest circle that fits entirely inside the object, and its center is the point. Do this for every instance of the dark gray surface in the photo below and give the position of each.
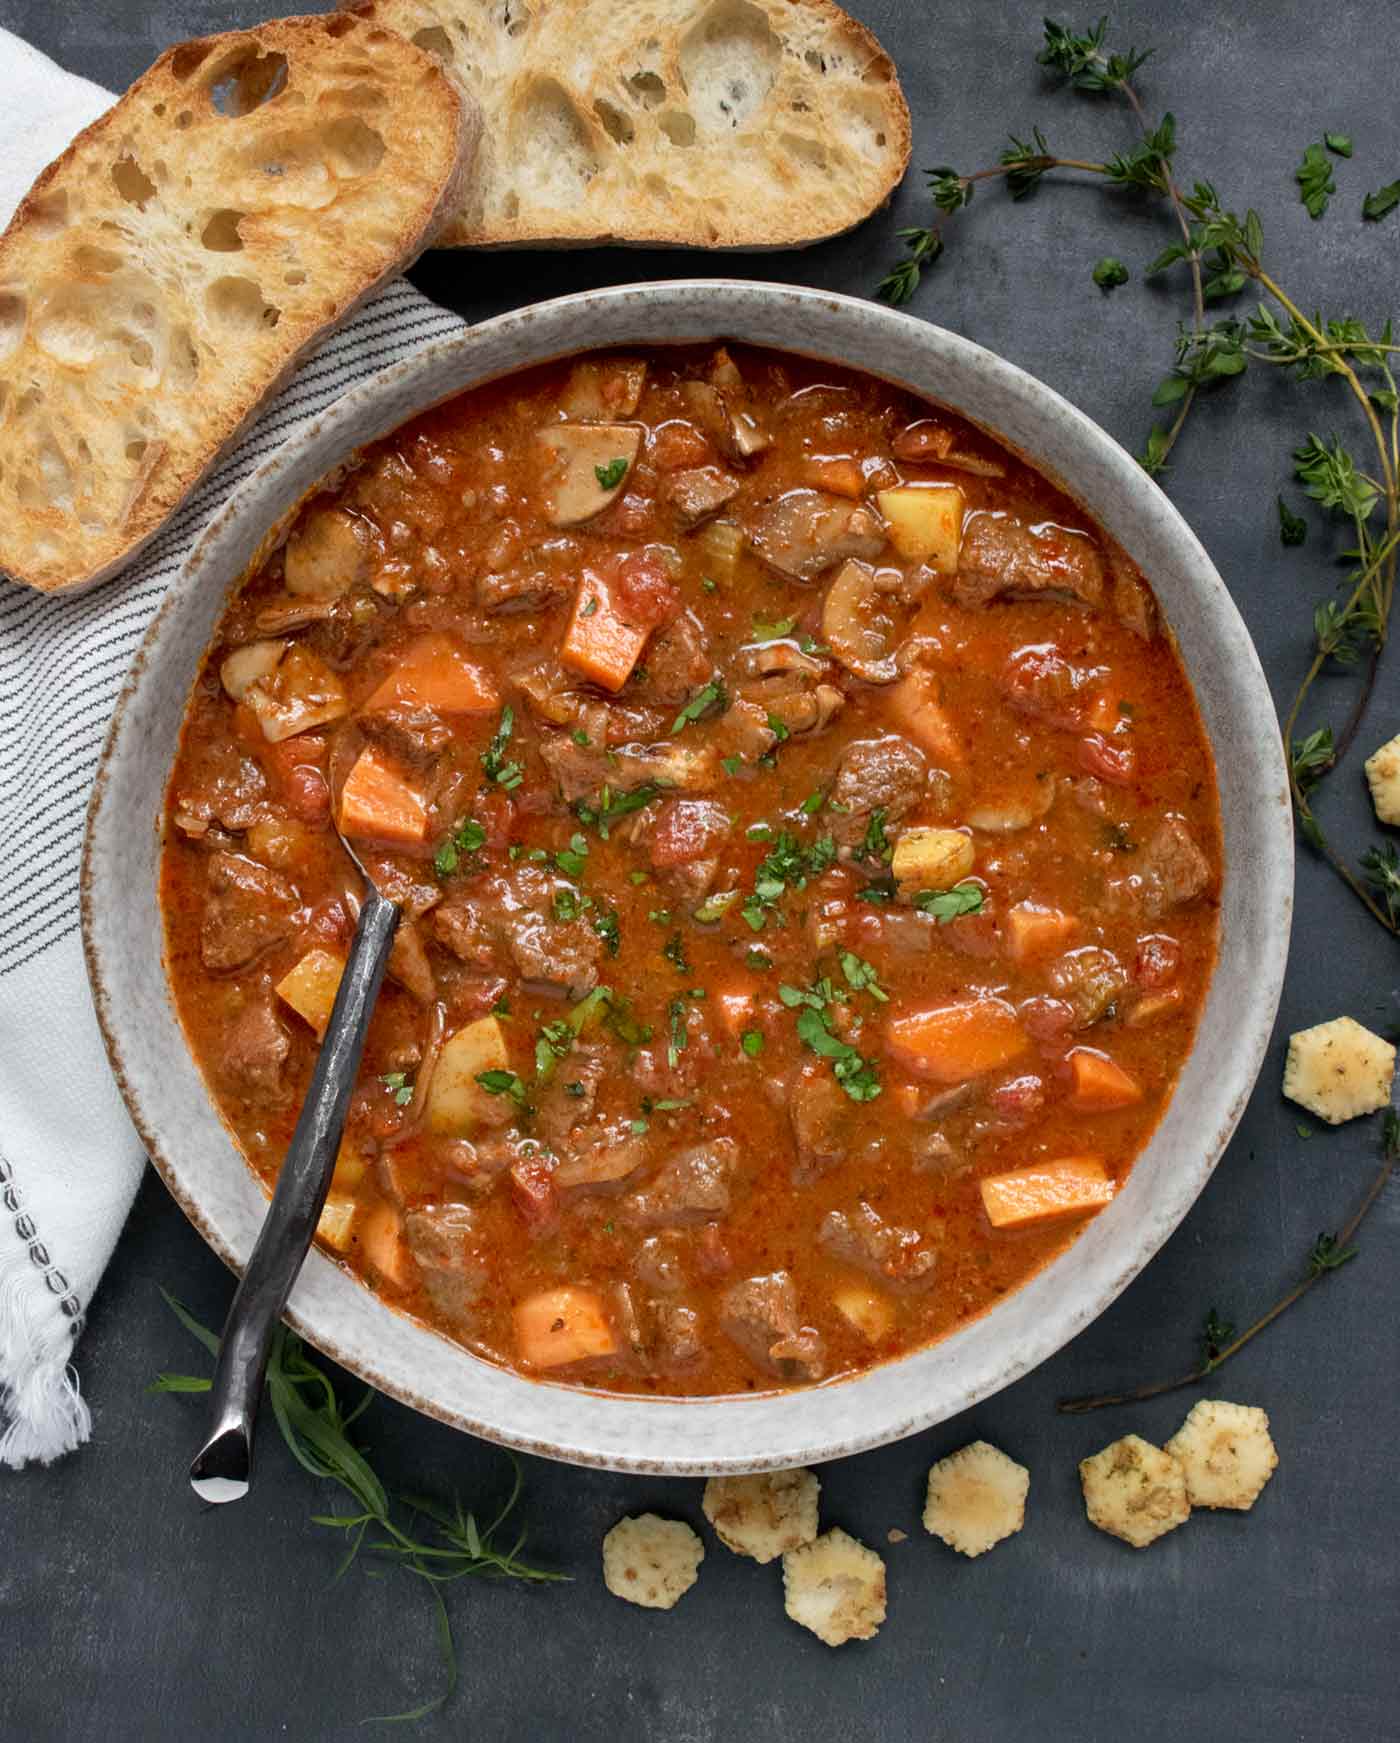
(130, 1612)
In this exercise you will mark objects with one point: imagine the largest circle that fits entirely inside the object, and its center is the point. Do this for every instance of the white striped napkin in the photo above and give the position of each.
(69, 1159)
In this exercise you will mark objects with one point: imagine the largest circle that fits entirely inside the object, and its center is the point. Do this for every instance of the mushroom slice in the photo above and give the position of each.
(858, 624)
(803, 533)
(585, 467)
(301, 692)
(294, 614)
(611, 388)
(327, 555)
(735, 432)
(249, 665)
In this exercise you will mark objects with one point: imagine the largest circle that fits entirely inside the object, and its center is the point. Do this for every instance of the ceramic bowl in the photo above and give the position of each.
(193, 1151)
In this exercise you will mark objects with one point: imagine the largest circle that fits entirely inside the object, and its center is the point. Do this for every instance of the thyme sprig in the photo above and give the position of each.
(1225, 256)
(437, 1543)
(1219, 1340)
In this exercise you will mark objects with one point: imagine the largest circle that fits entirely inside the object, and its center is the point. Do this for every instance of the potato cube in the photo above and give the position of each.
(836, 1587)
(337, 1214)
(558, 1327)
(931, 859)
(1339, 1070)
(311, 986)
(925, 522)
(651, 1561)
(457, 1104)
(1383, 775)
(976, 1498)
(1135, 1491)
(766, 1515)
(1227, 1453)
(865, 1309)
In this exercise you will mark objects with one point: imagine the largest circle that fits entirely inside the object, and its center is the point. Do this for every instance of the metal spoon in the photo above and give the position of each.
(222, 1468)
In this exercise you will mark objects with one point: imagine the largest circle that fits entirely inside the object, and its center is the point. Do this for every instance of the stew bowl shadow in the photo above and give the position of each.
(194, 1152)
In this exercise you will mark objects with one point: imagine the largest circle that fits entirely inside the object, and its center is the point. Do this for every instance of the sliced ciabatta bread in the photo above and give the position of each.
(163, 276)
(701, 123)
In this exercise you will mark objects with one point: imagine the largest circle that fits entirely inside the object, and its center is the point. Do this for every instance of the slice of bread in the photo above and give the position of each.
(699, 123)
(162, 277)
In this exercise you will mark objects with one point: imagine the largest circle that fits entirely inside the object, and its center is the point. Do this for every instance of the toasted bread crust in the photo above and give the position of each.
(614, 87)
(165, 275)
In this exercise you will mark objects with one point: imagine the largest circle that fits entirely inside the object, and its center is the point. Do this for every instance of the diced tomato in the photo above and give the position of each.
(1047, 1019)
(1158, 958)
(631, 517)
(534, 1193)
(679, 444)
(1018, 1100)
(1114, 763)
(925, 440)
(328, 923)
(495, 812)
(645, 592)
(296, 769)
(1039, 681)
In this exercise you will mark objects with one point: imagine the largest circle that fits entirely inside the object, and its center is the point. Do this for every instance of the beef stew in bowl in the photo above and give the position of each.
(809, 846)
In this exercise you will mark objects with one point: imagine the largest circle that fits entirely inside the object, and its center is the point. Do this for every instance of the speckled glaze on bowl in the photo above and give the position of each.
(194, 1153)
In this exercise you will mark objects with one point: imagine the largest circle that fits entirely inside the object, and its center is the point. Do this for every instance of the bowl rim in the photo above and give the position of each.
(896, 1398)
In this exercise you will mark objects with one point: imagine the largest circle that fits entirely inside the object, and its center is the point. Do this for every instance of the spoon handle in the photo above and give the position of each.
(222, 1469)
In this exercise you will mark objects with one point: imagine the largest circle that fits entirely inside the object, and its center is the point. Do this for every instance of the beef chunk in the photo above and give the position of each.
(1172, 869)
(761, 1316)
(875, 774)
(568, 1099)
(803, 533)
(582, 771)
(411, 735)
(690, 1187)
(224, 787)
(897, 1257)
(1003, 558)
(409, 965)
(1090, 981)
(443, 1238)
(553, 954)
(1040, 683)
(603, 1162)
(822, 1124)
(1133, 604)
(461, 926)
(700, 492)
(675, 665)
(248, 909)
(676, 1334)
(255, 1048)
(522, 587)
(682, 837)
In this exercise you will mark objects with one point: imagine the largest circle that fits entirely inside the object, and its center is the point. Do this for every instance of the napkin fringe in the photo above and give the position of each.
(43, 1411)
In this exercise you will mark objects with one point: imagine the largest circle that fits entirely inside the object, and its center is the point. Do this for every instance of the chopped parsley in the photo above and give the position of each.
(752, 1042)
(788, 865)
(946, 905)
(712, 696)
(660, 916)
(757, 959)
(772, 632)
(638, 1128)
(467, 838)
(608, 927)
(609, 806)
(554, 1041)
(708, 585)
(611, 474)
(678, 1016)
(779, 727)
(580, 737)
(669, 1104)
(715, 907)
(732, 765)
(589, 606)
(855, 1073)
(396, 1082)
(501, 1008)
(876, 847)
(876, 893)
(674, 952)
(503, 1083)
(569, 904)
(493, 759)
(813, 803)
(861, 977)
(570, 859)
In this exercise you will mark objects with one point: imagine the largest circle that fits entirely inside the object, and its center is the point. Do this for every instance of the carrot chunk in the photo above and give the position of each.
(1033, 932)
(1071, 1186)
(1099, 1084)
(434, 672)
(600, 643)
(559, 1326)
(381, 1241)
(913, 703)
(378, 804)
(951, 1043)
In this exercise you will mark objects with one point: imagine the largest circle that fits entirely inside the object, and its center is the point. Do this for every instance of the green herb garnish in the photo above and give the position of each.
(612, 473)
(1110, 273)
(493, 759)
(467, 838)
(946, 905)
(712, 696)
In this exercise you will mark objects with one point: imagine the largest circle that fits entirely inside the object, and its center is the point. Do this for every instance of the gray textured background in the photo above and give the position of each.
(126, 1611)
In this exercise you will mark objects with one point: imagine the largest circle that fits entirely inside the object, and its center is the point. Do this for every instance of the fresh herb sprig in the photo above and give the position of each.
(1225, 255)
(436, 1542)
(1219, 1340)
